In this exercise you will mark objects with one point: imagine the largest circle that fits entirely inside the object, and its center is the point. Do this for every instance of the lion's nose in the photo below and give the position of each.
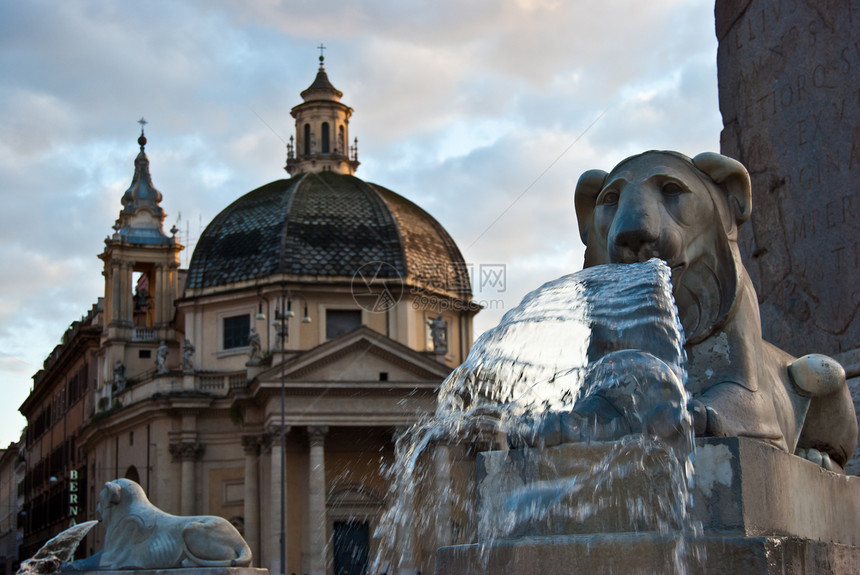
(635, 229)
(635, 238)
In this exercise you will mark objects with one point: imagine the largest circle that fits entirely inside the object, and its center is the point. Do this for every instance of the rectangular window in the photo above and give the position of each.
(236, 331)
(340, 321)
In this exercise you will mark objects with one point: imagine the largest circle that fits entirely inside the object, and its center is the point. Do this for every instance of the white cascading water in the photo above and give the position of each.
(537, 362)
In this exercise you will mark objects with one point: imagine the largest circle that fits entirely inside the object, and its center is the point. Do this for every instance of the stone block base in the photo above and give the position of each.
(648, 553)
(742, 488)
(762, 512)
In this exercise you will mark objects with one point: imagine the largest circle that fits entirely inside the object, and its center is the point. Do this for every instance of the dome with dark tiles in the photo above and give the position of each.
(326, 225)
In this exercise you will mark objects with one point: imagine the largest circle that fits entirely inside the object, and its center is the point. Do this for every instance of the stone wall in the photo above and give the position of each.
(789, 86)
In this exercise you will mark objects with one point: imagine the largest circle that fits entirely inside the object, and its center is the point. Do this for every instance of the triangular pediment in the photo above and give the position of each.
(361, 355)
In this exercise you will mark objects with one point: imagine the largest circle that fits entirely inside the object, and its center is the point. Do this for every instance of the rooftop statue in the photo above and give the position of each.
(138, 535)
(687, 212)
(188, 350)
(161, 358)
(254, 347)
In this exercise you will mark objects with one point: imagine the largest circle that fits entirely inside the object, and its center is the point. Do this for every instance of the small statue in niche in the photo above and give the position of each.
(118, 376)
(439, 334)
(161, 358)
(188, 356)
(255, 351)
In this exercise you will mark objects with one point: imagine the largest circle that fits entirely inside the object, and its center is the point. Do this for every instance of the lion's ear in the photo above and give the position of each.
(734, 180)
(113, 491)
(584, 198)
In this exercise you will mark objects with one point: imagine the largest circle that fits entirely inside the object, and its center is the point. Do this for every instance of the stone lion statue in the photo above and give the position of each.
(138, 535)
(687, 212)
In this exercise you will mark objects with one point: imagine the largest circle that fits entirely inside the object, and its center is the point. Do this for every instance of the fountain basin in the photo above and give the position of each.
(761, 511)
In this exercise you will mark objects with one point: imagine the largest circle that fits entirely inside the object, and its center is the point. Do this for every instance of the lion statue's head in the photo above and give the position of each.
(119, 494)
(681, 210)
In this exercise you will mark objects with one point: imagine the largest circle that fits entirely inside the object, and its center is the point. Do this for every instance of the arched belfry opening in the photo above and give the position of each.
(326, 140)
(143, 314)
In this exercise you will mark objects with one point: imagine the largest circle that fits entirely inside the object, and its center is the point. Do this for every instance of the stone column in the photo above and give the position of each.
(164, 294)
(251, 444)
(187, 453)
(278, 471)
(116, 291)
(157, 291)
(317, 499)
(127, 290)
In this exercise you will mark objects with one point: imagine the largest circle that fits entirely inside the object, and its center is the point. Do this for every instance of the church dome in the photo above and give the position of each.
(325, 226)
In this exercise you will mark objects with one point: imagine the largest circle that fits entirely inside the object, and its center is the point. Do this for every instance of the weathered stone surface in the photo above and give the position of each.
(789, 73)
(851, 361)
(648, 553)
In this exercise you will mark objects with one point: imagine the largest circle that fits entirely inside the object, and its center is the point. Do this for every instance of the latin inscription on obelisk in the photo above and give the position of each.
(789, 76)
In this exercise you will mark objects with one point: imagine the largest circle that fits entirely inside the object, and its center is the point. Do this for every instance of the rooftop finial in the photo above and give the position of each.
(142, 139)
(321, 48)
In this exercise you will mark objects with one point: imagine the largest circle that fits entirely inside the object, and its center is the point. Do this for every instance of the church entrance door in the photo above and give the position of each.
(351, 547)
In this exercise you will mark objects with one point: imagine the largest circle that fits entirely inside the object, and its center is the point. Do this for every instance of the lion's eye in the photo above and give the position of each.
(609, 197)
(672, 189)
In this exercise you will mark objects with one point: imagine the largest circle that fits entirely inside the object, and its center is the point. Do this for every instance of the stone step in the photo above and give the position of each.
(649, 553)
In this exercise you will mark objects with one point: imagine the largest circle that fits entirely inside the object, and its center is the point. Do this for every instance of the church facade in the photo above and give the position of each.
(268, 382)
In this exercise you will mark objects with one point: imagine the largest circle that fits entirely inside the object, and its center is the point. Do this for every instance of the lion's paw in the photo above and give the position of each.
(818, 457)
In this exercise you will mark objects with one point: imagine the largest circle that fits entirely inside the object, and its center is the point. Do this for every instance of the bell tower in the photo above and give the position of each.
(322, 142)
(141, 265)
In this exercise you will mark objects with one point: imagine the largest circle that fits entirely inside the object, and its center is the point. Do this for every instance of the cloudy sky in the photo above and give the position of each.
(483, 112)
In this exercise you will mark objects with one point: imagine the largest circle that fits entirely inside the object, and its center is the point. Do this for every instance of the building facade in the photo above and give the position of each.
(268, 382)
(11, 535)
(57, 409)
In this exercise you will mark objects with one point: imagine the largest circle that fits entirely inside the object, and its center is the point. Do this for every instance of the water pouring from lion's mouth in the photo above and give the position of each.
(593, 356)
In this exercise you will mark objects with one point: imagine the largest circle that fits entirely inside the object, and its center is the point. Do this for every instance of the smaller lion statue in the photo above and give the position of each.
(138, 535)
